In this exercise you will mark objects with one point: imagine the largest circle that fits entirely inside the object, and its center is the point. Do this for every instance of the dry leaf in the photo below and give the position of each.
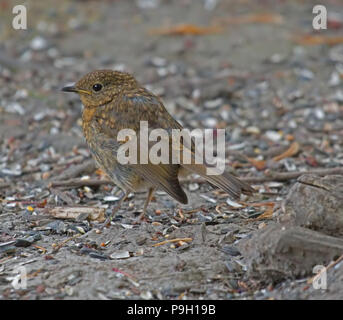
(267, 214)
(291, 151)
(258, 164)
(183, 29)
(269, 18)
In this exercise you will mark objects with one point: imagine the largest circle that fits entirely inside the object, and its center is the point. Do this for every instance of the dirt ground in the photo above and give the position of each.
(255, 68)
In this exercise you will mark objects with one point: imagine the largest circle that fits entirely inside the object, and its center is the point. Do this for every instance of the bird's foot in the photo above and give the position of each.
(107, 222)
(141, 218)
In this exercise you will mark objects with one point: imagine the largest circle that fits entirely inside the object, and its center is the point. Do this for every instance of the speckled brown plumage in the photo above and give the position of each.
(120, 103)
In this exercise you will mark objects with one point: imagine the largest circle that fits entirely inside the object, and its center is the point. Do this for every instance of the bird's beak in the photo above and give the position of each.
(73, 89)
(69, 89)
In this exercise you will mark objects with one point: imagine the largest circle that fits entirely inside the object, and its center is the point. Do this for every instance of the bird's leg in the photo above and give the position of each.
(122, 197)
(146, 203)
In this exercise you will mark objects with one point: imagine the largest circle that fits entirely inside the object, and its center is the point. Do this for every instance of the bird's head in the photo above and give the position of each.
(101, 86)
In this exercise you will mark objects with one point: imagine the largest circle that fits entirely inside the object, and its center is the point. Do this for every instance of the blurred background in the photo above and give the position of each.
(256, 68)
(216, 63)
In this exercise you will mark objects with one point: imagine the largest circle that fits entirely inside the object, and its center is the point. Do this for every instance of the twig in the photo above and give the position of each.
(276, 176)
(77, 183)
(285, 176)
(67, 197)
(62, 243)
(40, 248)
(77, 170)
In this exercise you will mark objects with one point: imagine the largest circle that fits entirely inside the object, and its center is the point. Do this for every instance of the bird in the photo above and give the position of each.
(115, 100)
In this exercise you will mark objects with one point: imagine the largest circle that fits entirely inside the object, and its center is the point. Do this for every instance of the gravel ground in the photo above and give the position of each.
(258, 70)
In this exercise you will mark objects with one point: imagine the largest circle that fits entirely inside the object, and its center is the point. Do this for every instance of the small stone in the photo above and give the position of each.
(273, 135)
(185, 103)
(22, 243)
(158, 62)
(193, 186)
(96, 255)
(15, 107)
(304, 74)
(146, 295)
(111, 198)
(335, 79)
(210, 122)
(213, 104)
(253, 130)
(277, 58)
(120, 255)
(233, 203)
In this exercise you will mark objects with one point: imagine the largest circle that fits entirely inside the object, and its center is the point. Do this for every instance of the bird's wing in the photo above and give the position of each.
(162, 119)
(147, 107)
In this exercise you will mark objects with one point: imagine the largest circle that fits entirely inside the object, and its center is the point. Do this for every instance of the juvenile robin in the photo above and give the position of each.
(113, 101)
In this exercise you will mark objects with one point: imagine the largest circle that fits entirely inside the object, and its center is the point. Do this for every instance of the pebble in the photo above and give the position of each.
(338, 96)
(146, 295)
(162, 72)
(38, 43)
(304, 74)
(185, 103)
(273, 135)
(207, 198)
(210, 122)
(111, 198)
(253, 130)
(319, 114)
(335, 79)
(203, 218)
(277, 58)
(64, 62)
(120, 255)
(336, 54)
(57, 226)
(213, 104)
(210, 4)
(97, 255)
(294, 95)
(193, 186)
(15, 107)
(147, 4)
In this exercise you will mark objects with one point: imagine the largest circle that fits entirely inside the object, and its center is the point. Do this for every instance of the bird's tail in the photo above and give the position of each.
(225, 181)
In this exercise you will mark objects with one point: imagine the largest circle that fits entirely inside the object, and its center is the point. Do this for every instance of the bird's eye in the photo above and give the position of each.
(97, 87)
